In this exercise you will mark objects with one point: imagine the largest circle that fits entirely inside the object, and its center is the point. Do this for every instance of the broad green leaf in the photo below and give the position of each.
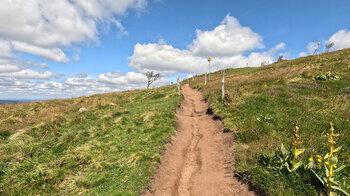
(326, 156)
(297, 165)
(333, 160)
(311, 165)
(337, 149)
(339, 168)
(299, 151)
(340, 189)
(283, 150)
(326, 171)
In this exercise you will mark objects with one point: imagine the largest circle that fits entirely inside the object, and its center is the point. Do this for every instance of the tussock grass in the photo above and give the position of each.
(113, 148)
(264, 103)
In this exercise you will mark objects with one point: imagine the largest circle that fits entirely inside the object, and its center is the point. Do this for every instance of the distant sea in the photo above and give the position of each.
(17, 101)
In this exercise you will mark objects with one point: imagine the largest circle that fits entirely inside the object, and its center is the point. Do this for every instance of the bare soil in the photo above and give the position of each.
(198, 160)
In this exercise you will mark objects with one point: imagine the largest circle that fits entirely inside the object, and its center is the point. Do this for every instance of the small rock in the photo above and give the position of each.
(82, 109)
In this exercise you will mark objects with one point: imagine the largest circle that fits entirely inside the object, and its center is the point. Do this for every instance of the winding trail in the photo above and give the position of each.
(197, 161)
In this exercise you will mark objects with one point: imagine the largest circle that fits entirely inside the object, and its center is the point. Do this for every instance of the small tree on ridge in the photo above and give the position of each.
(151, 77)
(329, 46)
(280, 58)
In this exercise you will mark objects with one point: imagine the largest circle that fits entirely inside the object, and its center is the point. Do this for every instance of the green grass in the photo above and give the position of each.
(112, 149)
(265, 101)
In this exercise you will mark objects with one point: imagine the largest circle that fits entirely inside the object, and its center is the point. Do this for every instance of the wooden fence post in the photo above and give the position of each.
(223, 85)
(209, 73)
(318, 50)
(178, 85)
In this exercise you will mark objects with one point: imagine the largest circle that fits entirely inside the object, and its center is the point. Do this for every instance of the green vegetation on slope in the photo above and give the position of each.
(261, 105)
(113, 148)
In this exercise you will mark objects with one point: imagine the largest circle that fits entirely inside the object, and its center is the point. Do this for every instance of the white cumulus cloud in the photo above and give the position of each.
(227, 39)
(225, 44)
(52, 85)
(15, 86)
(80, 81)
(6, 68)
(30, 74)
(79, 86)
(106, 8)
(121, 79)
(34, 64)
(164, 59)
(54, 54)
(5, 49)
(341, 39)
(11, 82)
(128, 81)
(42, 27)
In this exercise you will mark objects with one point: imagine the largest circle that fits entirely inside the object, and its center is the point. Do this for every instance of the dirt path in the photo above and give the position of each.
(197, 162)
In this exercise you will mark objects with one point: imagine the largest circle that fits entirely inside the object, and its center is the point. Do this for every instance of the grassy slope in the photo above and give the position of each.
(264, 103)
(50, 148)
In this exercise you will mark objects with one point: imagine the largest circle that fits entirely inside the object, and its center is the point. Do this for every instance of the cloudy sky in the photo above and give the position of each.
(67, 48)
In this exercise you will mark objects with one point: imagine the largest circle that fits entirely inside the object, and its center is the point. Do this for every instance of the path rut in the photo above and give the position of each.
(197, 161)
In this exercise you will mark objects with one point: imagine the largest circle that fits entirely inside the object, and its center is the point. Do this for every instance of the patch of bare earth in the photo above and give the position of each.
(198, 160)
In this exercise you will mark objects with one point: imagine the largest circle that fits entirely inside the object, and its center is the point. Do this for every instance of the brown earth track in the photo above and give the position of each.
(198, 160)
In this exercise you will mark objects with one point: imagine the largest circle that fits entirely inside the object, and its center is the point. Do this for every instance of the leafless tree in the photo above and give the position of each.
(280, 58)
(329, 46)
(151, 77)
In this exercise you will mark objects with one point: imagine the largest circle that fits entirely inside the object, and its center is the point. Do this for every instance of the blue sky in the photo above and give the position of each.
(74, 48)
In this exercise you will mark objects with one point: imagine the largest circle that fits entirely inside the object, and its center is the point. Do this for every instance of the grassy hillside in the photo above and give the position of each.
(113, 148)
(262, 105)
